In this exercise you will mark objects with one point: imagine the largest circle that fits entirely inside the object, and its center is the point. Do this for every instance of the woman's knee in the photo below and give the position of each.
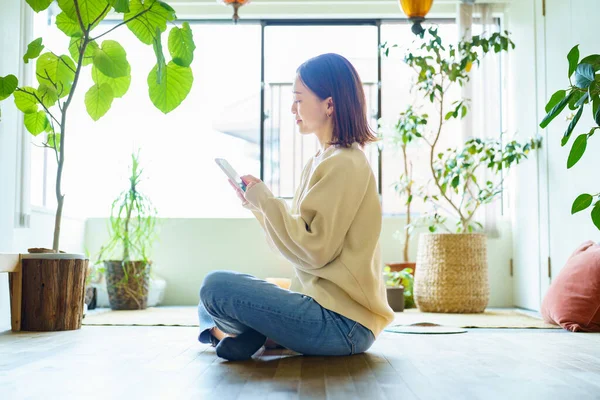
(214, 282)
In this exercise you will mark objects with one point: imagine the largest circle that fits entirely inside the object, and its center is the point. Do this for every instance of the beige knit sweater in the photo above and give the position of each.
(331, 235)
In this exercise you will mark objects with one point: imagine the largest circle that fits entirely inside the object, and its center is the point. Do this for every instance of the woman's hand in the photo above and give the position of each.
(250, 181)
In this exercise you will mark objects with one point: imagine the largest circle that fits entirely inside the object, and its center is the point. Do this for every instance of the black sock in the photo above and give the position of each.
(241, 347)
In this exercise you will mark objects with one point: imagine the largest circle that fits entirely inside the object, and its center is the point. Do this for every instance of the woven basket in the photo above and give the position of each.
(452, 274)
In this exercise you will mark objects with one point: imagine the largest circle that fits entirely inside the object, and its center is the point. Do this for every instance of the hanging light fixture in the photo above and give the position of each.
(416, 10)
(236, 4)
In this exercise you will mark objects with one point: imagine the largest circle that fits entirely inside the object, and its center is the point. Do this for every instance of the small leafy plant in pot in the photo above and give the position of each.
(132, 229)
(399, 288)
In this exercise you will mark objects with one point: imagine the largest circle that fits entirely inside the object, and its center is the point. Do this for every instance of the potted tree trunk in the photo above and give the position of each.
(407, 129)
(132, 231)
(451, 271)
(51, 283)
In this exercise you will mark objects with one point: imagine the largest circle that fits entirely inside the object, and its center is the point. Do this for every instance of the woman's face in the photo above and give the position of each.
(310, 111)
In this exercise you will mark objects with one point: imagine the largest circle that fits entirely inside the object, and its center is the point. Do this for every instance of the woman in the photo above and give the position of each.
(337, 301)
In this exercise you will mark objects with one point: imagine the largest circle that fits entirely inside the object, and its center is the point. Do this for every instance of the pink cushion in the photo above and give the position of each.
(573, 299)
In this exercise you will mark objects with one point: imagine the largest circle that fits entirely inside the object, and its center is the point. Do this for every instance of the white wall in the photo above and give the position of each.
(543, 228)
(191, 248)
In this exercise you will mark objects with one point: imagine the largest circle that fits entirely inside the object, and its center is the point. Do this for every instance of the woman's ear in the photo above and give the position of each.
(330, 107)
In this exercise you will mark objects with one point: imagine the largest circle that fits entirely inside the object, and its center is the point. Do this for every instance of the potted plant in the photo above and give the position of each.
(46, 109)
(451, 273)
(399, 288)
(584, 91)
(407, 129)
(132, 232)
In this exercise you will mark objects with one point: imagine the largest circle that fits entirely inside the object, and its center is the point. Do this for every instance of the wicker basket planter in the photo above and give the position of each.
(452, 273)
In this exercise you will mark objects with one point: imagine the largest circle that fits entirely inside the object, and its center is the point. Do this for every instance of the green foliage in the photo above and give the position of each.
(583, 92)
(454, 190)
(132, 222)
(403, 278)
(46, 108)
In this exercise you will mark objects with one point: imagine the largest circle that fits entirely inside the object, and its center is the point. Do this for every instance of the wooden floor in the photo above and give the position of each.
(168, 363)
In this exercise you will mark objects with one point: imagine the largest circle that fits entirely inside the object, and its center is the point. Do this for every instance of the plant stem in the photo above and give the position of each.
(409, 192)
(60, 198)
(432, 155)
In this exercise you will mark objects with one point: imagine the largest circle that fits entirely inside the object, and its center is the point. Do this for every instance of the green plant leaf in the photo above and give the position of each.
(111, 59)
(181, 45)
(581, 100)
(88, 55)
(556, 110)
(68, 26)
(573, 58)
(98, 100)
(52, 70)
(8, 84)
(593, 60)
(36, 123)
(160, 57)
(39, 5)
(25, 100)
(47, 95)
(577, 150)
(596, 215)
(144, 26)
(175, 85)
(556, 97)
(121, 6)
(571, 126)
(118, 85)
(582, 202)
(54, 138)
(90, 10)
(584, 76)
(33, 50)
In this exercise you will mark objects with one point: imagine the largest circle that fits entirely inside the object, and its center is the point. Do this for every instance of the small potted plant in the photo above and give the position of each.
(132, 232)
(399, 288)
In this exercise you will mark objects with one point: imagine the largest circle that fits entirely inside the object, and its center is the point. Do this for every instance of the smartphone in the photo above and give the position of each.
(230, 172)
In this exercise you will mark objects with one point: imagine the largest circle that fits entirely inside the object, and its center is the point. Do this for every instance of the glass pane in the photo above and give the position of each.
(286, 151)
(219, 118)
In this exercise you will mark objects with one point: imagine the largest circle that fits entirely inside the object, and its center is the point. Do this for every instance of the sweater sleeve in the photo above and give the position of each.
(312, 238)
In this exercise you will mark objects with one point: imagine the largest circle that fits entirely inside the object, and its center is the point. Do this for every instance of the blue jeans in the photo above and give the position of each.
(235, 302)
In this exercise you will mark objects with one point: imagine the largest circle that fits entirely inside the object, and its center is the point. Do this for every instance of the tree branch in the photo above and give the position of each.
(123, 23)
(39, 101)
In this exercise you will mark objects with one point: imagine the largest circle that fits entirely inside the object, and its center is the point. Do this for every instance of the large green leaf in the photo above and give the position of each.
(36, 123)
(582, 202)
(584, 76)
(25, 100)
(571, 126)
(47, 95)
(577, 150)
(556, 110)
(181, 45)
(121, 6)
(593, 60)
(33, 50)
(39, 5)
(556, 97)
(88, 55)
(175, 85)
(111, 59)
(152, 15)
(118, 85)
(8, 84)
(67, 25)
(90, 10)
(596, 215)
(98, 100)
(573, 58)
(52, 70)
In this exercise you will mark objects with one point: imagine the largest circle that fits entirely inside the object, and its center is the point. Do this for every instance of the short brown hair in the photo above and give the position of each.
(331, 75)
